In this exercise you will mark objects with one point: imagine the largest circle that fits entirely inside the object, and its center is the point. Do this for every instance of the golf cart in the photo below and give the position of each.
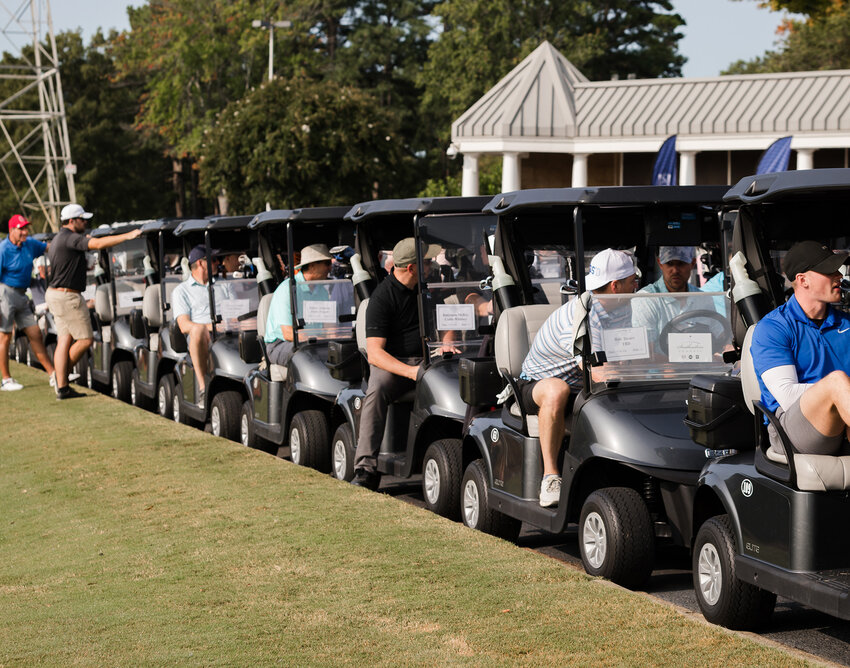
(120, 290)
(629, 467)
(291, 405)
(233, 299)
(423, 429)
(155, 359)
(768, 522)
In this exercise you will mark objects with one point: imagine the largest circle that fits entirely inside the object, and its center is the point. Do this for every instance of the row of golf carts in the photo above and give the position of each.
(666, 444)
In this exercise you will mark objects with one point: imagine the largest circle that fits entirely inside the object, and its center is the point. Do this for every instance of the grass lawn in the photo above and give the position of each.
(127, 539)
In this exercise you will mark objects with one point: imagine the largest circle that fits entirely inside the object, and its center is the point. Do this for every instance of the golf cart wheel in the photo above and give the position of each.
(122, 377)
(137, 397)
(82, 368)
(309, 440)
(165, 396)
(616, 538)
(246, 426)
(225, 413)
(177, 408)
(342, 453)
(441, 475)
(475, 510)
(50, 350)
(21, 350)
(722, 597)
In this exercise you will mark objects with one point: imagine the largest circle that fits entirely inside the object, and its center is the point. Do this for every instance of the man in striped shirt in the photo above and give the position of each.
(550, 373)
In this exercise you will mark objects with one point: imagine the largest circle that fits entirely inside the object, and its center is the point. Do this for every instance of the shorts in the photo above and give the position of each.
(526, 400)
(803, 436)
(70, 314)
(15, 309)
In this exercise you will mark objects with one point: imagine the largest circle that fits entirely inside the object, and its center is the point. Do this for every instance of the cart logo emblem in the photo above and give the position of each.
(494, 435)
(747, 487)
(357, 403)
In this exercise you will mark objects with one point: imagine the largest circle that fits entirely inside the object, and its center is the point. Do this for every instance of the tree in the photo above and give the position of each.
(298, 143)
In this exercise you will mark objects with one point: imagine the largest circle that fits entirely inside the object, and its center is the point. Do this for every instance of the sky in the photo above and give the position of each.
(718, 33)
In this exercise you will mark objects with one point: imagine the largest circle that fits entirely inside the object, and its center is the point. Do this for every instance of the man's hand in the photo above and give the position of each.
(447, 347)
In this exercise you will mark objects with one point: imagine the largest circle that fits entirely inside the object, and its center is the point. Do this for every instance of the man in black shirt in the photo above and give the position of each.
(64, 298)
(394, 349)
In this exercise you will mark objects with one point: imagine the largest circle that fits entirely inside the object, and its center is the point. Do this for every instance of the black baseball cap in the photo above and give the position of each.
(199, 252)
(812, 256)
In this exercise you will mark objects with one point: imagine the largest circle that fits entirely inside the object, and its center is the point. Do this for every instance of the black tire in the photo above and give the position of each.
(722, 597)
(137, 397)
(225, 413)
(165, 396)
(309, 440)
(475, 510)
(441, 476)
(342, 453)
(122, 377)
(177, 408)
(82, 368)
(247, 437)
(21, 347)
(616, 538)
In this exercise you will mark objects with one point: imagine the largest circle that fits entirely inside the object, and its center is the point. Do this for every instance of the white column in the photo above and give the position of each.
(687, 168)
(579, 170)
(510, 172)
(805, 158)
(470, 184)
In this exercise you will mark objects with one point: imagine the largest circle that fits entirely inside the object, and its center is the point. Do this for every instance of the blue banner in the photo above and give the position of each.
(664, 172)
(775, 157)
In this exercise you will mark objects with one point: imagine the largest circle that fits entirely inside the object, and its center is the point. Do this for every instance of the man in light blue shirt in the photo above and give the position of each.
(315, 265)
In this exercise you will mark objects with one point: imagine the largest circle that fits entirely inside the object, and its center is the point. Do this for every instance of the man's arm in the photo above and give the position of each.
(99, 243)
(379, 357)
(185, 324)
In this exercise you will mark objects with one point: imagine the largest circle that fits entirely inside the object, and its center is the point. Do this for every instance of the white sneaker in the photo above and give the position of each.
(72, 377)
(550, 490)
(53, 380)
(9, 385)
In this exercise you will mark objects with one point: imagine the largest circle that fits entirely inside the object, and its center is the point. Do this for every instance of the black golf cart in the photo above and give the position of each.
(423, 430)
(120, 290)
(290, 406)
(769, 522)
(629, 467)
(233, 299)
(155, 359)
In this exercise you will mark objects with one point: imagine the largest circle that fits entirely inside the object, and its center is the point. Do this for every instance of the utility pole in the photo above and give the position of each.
(271, 25)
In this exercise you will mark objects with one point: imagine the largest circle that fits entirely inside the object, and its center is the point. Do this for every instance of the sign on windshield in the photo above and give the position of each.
(321, 306)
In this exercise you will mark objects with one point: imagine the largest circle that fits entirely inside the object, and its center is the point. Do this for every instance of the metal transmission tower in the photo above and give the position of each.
(35, 153)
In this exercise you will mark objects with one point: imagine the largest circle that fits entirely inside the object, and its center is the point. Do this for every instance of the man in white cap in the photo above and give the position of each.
(68, 265)
(315, 265)
(394, 349)
(676, 264)
(551, 374)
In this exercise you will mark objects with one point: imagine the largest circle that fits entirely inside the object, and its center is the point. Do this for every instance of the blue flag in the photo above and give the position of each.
(775, 157)
(664, 171)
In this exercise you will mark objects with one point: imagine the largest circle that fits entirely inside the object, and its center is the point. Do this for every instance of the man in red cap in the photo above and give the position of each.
(17, 252)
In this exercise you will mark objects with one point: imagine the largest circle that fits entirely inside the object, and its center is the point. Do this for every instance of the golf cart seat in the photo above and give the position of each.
(809, 473)
(276, 372)
(515, 333)
(103, 303)
(360, 333)
(152, 303)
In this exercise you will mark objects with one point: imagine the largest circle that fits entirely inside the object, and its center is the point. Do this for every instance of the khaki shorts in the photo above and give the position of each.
(803, 436)
(70, 314)
(15, 309)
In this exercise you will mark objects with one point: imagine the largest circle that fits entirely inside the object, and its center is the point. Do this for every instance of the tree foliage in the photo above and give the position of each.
(299, 142)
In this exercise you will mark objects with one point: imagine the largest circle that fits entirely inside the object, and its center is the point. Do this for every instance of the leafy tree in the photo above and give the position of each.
(298, 142)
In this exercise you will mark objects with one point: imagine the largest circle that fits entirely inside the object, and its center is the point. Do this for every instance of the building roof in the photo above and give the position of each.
(546, 97)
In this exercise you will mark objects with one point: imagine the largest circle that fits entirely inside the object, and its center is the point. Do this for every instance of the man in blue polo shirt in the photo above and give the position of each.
(801, 353)
(17, 252)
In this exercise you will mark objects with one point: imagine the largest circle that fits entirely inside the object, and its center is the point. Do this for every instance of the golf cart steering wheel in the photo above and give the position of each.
(675, 326)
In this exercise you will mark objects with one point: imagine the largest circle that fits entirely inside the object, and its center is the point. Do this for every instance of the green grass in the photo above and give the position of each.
(127, 539)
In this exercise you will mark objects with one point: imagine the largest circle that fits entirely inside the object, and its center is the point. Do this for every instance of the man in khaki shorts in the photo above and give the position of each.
(64, 297)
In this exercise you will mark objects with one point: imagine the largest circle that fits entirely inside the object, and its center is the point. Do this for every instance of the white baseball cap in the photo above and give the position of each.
(74, 211)
(606, 266)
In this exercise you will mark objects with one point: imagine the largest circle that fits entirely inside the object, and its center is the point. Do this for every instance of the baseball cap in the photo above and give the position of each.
(17, 221)
(199, 252)
(70, 211)
(811, 256)
(606, 266)
(404, 252)
(668, 254)
(313, 253)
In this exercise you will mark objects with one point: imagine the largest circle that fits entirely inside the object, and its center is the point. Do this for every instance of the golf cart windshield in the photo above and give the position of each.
(324, 309)
(646, 337)
(127, 266)
(235, 298)
(456, 302)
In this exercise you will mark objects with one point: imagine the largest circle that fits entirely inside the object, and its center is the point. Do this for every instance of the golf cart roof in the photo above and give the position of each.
(414, 205)
(212, 223)
(161, 224)
(786, 185)
(117, 228)
(319, 214)
(604, 196)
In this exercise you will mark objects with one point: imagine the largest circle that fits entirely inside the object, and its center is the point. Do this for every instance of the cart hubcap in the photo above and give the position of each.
(594, 539)
(133, 393)
(215, 421)
(339, 456)
(114, 385)
(162, 401)
(471, 504)
(431, 477)
(175, 408)
(243, 430)
(295, 446)
(710, 574)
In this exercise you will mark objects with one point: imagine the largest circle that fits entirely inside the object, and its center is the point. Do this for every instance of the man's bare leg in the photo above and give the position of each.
(199, 350)
(61, 359)
(826, 404)
(5, 339)
(551, 395)
(37, 345)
